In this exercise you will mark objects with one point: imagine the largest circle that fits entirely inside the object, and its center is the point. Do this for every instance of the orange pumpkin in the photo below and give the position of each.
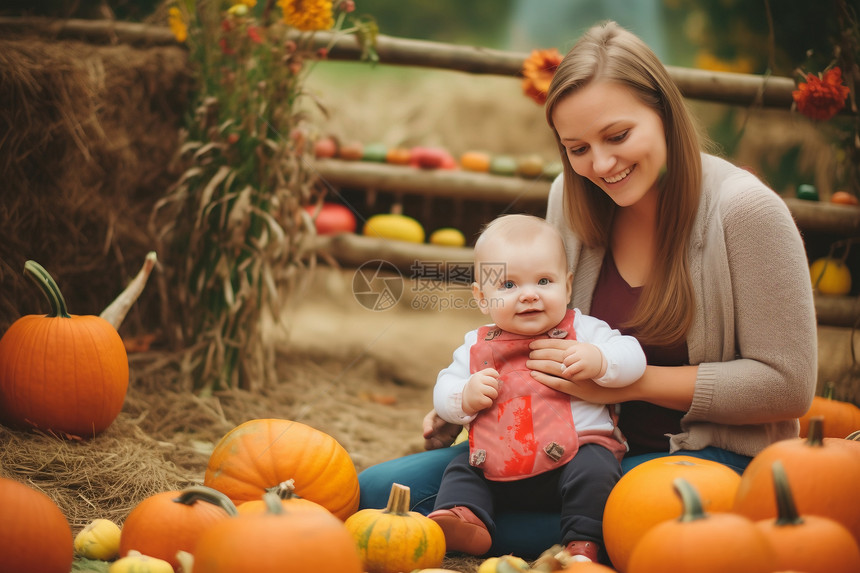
(61, 373)
(395, 539)
(840, 418)
(476, 161)
(700, 542)
(644, 497)
(286, 492)
(34, 531)
(810, 543)
(172, 521)
(277, 541)
(260, 454)
(823, 477)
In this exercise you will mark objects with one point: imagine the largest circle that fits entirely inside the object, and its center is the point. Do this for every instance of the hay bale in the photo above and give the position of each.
(88, 135)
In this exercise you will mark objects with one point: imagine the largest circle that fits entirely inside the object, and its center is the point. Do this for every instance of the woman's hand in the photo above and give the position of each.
(437, 432)
(553, 363)
(667, 386)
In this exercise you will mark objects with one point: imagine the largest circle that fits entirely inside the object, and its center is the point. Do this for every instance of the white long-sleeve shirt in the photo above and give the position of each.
(625, 363)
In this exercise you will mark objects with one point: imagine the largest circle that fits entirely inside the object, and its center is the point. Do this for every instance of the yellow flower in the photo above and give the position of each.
(177, 24)
(308, 15)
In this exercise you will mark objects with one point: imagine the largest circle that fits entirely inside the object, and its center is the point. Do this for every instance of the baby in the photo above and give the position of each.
(530, 446)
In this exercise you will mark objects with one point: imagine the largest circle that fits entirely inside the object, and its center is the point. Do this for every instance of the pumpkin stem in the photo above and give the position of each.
(690, 499)
(190, 495)
(815, 433)
(273, 503)
(45, 282)
(786, 509)
(398, 500)
(829, 390)
(285, 490)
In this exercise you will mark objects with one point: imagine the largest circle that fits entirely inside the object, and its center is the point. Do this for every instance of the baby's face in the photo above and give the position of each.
(524, 287)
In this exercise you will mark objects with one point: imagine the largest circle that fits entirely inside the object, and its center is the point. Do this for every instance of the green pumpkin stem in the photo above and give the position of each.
(815, 433)
(190, 495)
(690, 499)
(829, 390)
(45, 282)
(273, 503)
(398, 500)
(786, 509)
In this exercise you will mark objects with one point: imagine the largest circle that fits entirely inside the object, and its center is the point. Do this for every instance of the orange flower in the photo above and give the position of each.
(308, 15)
(538, 70)
(821, 98)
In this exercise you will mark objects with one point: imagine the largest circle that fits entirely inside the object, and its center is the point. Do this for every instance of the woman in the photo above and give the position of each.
(695, 257)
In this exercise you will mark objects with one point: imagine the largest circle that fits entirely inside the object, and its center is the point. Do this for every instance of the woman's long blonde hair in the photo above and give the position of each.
(608, 52)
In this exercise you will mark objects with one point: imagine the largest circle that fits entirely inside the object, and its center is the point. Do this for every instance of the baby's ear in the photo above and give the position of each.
(569, 284)
(479, 297)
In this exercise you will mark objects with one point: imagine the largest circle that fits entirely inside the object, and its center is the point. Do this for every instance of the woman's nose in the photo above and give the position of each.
(603, 162)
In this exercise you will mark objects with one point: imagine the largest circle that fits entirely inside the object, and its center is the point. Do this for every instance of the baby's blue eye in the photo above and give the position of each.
(508, 284)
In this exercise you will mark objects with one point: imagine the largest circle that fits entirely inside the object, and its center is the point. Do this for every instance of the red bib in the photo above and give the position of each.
(529, 429)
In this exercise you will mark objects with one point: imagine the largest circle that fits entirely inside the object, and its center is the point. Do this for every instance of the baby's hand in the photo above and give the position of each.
(480, 391)
(583, 361)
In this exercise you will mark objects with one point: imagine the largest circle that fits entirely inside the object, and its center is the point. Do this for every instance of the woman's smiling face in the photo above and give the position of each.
(612, 139)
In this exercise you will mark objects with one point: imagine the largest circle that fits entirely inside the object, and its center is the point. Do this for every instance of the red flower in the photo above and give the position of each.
(254, 34)
(821, 98)
(538, 70)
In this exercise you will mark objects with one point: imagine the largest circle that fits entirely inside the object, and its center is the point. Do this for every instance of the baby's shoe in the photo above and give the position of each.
(583, 550)
(463, 530)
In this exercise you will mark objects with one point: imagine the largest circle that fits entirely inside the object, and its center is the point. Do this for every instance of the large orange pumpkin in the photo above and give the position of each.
(702, 542)
(172, 521)
(809, 543)
(644, 497)
(276, 541)
(823, 474)
(395, 539)
(36, 536)
(62, 373)
(840, 418)
(260, 454)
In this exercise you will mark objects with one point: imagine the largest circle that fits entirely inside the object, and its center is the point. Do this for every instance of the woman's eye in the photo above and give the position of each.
(620, 137)
(577, 150)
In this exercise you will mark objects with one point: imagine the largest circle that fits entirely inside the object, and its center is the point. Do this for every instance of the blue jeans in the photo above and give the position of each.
(524, 533)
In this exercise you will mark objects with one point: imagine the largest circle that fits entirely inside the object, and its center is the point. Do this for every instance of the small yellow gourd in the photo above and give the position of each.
(98, 540)
(448, 237)
(395, 539)
(394, 226)
(136, 562)
(503, 564)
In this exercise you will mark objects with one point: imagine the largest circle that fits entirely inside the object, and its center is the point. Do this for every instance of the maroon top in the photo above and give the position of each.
(643, 424)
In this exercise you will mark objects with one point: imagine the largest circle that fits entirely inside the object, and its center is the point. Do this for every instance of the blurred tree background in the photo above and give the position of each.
(768, 37)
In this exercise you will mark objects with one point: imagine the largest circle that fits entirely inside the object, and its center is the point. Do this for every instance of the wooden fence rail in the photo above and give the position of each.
(724, 87)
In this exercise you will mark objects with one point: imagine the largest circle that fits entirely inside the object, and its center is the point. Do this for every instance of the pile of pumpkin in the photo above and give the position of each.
(529, 166)
(280, 495)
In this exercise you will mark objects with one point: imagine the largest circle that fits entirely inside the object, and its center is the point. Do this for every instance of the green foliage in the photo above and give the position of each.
(480, 22)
